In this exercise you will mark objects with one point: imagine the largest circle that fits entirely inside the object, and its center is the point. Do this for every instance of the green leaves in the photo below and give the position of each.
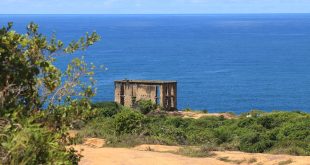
(28, 69)
(38, 100)
(32, 29)
(128, 121)
(83, 43)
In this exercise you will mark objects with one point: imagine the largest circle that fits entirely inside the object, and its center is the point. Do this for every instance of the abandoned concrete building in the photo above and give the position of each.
(163, 93)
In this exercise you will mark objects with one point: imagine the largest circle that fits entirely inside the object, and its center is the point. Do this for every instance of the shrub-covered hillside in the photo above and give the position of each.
(256, 131)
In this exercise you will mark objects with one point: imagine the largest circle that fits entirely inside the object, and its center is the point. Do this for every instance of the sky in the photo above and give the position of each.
(152, 6)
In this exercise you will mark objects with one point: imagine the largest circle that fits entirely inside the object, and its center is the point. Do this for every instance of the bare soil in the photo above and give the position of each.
(199, 114)
(94, 154)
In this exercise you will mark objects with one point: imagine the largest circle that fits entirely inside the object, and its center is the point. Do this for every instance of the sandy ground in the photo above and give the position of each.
(198, 114)
(94, 154)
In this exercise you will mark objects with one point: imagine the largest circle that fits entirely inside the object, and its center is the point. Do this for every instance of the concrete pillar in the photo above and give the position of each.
(128, 94)
(168, 97)
(174, 95)
(163, 95)
(117, 92)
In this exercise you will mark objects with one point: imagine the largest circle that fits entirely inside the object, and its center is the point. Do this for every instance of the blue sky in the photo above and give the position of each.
(152, 6)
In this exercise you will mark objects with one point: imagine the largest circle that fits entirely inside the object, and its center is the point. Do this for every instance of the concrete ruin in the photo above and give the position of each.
(163, 93)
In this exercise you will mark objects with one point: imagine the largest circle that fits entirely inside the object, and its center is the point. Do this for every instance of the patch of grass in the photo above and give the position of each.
(127, 141)
(149, 149)
(99, 128)
(187, 110)
(194, 152)
(226, 159)
(285, 162)
(252, 160)
(205, 111)
(289, 148)
(238, 161)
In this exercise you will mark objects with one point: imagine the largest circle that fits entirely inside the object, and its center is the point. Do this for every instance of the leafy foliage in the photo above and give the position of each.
(37, 100)
(128, 121)
(106, 109)
(30, 143)
(145, 106)
(275, 132)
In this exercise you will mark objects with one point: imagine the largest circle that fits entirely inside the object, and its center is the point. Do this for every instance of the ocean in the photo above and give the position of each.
(222, 62)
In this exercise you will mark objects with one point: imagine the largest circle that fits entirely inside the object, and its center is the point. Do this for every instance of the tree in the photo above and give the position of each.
(34, 93)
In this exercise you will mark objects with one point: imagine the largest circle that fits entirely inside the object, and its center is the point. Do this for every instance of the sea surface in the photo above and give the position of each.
(221, 62)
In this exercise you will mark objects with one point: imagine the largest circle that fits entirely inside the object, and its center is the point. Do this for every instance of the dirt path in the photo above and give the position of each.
(94, 154)
(198, 114)
(122, 156)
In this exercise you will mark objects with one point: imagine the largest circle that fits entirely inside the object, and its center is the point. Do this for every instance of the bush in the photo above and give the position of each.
(291, 147)
(177, 122)
(33, 144)
(99, 127)
(255, 142)
(276, 132)
(224, 134)
(205, 111)
(106, 109)
(201, 136)
(167, 134)
(128, 121)
(38, 100)
(297, 130)
(145, 106)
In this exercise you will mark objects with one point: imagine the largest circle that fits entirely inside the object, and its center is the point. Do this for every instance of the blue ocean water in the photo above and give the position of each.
(221, 62)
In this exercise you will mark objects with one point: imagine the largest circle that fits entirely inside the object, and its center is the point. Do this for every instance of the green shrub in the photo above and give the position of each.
(145, 106)
(128, 122)
(108, 105)
(201, 136)
(187, 110)
(167, 134)
(205, 111)
(276, 132)
(291, 147)
(255, 142)
(99, 127)
(296, 130)
(106, 109)
(166, 130)
(206, 122)
(33, 144)
(177, 122)
(223, 134)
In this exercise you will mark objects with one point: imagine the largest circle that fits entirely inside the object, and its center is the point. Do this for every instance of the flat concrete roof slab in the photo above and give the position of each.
(146, 81)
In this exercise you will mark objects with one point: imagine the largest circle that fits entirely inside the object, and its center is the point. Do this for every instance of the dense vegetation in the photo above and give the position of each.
(256, 131)
(38, 101)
